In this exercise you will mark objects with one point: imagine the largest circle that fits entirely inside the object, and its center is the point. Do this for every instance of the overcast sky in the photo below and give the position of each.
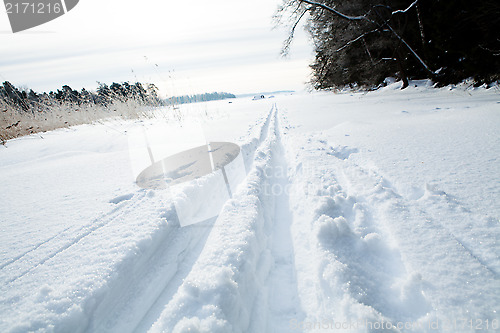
(184, 47)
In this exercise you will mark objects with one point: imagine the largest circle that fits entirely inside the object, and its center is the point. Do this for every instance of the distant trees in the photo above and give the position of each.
(104, 96)
(199, 98)
(24, 111)
(361, 42)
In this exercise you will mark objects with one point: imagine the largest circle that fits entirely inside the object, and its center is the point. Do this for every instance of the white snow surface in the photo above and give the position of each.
(360, 212)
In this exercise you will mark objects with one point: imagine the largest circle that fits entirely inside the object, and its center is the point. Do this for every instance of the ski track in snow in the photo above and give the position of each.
(173, 260)
(309, 238)
(259, 273)
(135, 291)
(51, 247)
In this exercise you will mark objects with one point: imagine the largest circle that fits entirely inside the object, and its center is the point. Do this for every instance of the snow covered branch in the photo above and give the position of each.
(336, 12)
(405, 10)
(410, 49)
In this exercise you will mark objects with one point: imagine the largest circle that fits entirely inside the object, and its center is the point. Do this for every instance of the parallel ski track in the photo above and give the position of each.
(283, 302)
(73, 237)
(172, 260)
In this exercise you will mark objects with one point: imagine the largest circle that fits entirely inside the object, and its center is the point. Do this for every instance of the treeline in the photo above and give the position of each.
(24, 111)
(31, 101)
(198, 98)
(361, 42)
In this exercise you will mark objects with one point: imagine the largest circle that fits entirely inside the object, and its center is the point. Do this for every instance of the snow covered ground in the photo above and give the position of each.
(359, 212)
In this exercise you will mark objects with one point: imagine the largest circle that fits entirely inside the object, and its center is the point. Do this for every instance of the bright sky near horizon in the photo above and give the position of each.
(182, 47)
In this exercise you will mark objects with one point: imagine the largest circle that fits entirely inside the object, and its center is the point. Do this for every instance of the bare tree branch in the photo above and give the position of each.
(356, 39)
(364, 17)
(405, 10)
(421, 26)
(379, 25)
(288, 41)
(368, 52)
(411, 50)
(347, 17)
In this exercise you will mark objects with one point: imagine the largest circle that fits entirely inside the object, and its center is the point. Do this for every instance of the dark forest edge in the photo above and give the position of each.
(359, 43)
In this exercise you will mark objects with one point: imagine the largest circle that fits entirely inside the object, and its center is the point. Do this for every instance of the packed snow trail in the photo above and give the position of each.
(283, 294)
(163, 276)
(345, 222)
(230, 288)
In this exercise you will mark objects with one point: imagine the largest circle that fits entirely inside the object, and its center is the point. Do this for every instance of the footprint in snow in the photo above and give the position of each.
(342, 153)
(121, 198)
